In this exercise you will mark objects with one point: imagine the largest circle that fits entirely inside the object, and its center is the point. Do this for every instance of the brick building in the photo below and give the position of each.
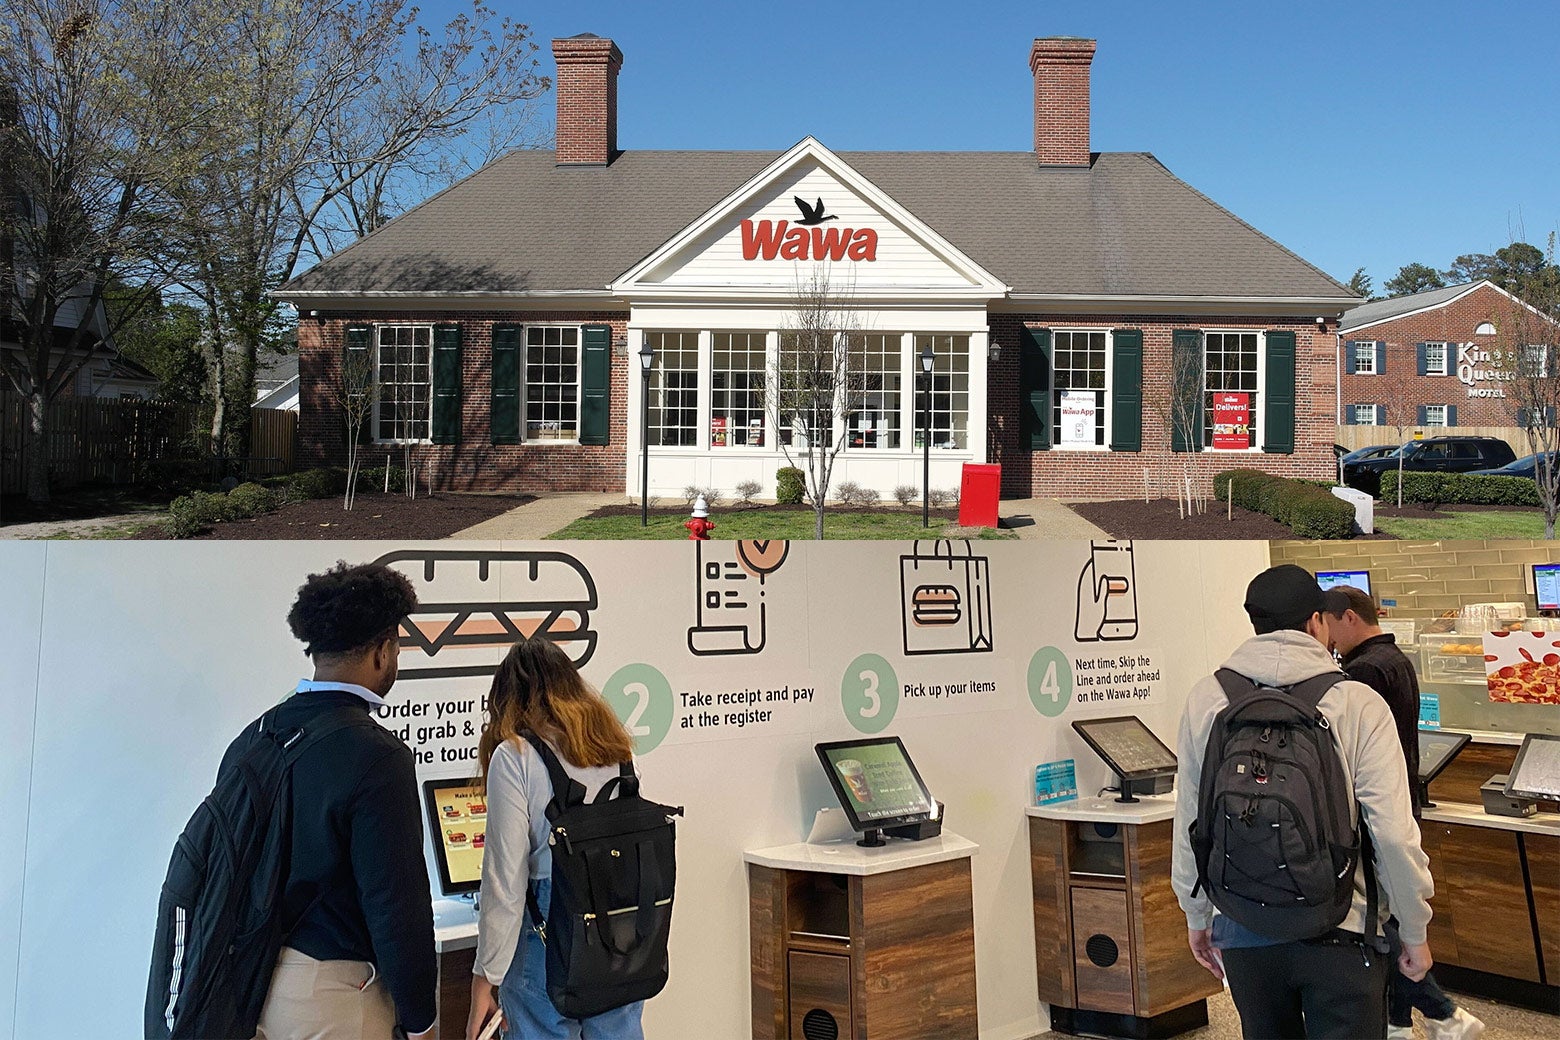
(1057, 291)
(1434, 358)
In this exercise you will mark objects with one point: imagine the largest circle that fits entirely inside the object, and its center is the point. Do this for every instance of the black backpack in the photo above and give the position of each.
(1274, 838)
(220, 920)
(614, 869)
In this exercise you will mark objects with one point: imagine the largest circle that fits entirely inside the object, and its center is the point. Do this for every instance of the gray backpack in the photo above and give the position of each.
(1274, 839)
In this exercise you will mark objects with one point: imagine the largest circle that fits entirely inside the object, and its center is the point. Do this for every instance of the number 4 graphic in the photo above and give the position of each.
(1050, 681)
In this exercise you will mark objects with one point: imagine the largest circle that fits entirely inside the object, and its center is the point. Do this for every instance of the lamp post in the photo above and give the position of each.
(926, 439)
(646, 359)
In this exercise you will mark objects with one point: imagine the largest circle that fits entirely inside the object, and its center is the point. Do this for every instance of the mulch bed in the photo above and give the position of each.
(630, 509)
(372, 516)
(1159, 519)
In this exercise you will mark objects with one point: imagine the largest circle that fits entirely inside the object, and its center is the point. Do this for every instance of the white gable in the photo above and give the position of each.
(755, 242)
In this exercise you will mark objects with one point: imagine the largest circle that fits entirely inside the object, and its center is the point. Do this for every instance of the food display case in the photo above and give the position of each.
(1451, 665)
(1451, 657)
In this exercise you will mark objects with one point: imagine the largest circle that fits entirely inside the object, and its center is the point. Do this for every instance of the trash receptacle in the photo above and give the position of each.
(979, 488)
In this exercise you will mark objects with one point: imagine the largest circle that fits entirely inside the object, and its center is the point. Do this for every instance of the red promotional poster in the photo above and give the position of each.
(1232, 421)
(718, 432)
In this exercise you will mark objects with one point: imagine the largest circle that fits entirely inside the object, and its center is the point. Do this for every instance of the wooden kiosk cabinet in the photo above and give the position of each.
(1110, 938)
(863, 944)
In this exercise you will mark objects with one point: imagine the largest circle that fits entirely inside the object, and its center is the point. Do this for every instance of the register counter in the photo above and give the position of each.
(455, 943)
(1110, 937)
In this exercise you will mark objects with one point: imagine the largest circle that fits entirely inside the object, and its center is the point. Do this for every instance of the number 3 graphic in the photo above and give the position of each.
(869, 693)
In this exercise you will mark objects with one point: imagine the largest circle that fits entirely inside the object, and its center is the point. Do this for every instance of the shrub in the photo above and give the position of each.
(712, 497)
(937, 497)
(953, 495)
(905, 494)
(249, 500)
(322, 482)
(1308, 510)
(372, 478)
(690, 493)
(746, 490)
(866, 496)
(847, 491)
(171, 475)
(789, 486)
(1459, 489)
(194, 513)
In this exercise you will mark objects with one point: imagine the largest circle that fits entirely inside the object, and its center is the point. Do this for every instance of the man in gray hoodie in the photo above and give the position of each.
(1331, 986)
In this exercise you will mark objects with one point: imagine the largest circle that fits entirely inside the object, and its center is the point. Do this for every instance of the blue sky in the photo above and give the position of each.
(1357, 134)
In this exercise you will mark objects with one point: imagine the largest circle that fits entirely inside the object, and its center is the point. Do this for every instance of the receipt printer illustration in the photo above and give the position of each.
(946, 593)
(731, 616)
(1107, 594)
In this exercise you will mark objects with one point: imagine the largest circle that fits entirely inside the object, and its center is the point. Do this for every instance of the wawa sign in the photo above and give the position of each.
(807, 239)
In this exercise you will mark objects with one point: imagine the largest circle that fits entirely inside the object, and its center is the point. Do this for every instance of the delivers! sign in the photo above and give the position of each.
(1232, 421)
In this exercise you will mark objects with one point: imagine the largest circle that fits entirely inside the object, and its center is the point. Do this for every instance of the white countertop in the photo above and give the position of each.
(850, 858)
(454, 925)
(1151, 808)
(1489, 736)
(1474, 815)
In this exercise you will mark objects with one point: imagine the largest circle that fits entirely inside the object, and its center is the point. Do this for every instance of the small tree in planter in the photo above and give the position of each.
(355, 395)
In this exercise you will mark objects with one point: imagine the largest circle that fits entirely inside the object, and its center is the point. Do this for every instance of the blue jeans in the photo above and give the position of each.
(1405, 994)
(529, 1013)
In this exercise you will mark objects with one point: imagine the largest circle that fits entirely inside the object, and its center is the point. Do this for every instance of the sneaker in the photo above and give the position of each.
(1460, 1026)
(1400, 1033)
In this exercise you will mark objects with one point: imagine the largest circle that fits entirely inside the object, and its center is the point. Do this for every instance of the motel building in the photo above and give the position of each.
(507, 318)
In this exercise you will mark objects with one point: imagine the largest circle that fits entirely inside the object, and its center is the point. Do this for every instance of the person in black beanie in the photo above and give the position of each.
(1330, 985)
(361, 960)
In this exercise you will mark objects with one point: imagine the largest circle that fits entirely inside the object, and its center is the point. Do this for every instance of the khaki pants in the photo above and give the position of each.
(325, 1000)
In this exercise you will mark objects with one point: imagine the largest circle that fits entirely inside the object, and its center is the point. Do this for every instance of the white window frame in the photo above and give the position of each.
(525, 382)
(1258, 395)
(1368, 346)
(762, 348)
(1355, 411)
(944, 372)
(376, 346)
(701, 394)
(1430, 418)
(1530, 351)
(898, 405)
(1110, 350)
(1446, 359)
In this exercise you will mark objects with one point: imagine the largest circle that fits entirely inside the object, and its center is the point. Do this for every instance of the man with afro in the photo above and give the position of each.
(360, 962)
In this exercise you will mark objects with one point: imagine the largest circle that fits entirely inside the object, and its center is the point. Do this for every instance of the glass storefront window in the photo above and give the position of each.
(737, 390)
(674, 389)
(875, 378)
(552, 383)
(403, 359)
(950, 396)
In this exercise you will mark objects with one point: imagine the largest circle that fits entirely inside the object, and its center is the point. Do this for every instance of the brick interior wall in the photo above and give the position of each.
(1110, 474)
(475, 464)
(1402, 386)
(1428, 579)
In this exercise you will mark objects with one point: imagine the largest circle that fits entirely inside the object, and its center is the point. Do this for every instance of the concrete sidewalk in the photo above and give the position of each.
(1046, 519)
(536, 520)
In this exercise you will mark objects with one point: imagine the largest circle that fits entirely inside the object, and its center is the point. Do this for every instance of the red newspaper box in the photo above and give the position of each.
(979, 488)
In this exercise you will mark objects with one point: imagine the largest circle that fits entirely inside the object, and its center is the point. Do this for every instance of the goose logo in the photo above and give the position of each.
(807, 239)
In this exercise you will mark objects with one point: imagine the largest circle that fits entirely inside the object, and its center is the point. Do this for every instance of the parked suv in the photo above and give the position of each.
(1431, 455)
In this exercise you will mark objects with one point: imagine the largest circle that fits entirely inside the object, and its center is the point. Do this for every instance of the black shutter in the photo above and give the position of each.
(504, 410)
(1420, 416)
(1381, 415)
(1423, 349)
(1186, 390)
(1126, 396)
(595, 384)
(1381, 357)
(1034, 389)
(446, 384)
(1348, 415)
(357, 351)
(1348, 357)
(1278, 415)
(1451, 415)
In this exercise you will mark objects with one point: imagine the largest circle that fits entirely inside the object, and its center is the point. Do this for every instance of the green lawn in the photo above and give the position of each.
(763, 523)
(1460, 526)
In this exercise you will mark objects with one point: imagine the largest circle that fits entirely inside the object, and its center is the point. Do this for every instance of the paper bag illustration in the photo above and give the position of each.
(946, 599)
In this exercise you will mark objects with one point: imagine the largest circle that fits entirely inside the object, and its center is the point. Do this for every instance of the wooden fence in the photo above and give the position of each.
(1352, 437)
(100, 440)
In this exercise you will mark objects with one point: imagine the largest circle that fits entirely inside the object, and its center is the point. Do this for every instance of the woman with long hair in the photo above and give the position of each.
(537, 689)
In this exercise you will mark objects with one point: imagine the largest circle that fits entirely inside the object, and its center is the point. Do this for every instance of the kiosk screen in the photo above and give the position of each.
(1536, 772)
(1359, 579)
(457, 821)
(876, 782)
(1546, 585)
(1437, 748)
(1127, 746)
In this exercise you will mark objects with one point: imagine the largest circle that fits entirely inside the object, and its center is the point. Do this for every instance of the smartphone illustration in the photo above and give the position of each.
(1107, 594)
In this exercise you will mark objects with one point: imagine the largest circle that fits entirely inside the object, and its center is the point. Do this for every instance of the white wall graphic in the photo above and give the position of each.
(728, 662)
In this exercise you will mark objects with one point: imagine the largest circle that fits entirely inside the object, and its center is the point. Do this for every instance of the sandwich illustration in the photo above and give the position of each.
(934, 605)
(473, 605)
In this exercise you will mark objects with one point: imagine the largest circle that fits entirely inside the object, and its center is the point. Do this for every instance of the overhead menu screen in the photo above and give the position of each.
(457, 820)
(1127, 746)
(1536, 772)
(1437, 748)
(1546, 585)
(876, 782)
(1330, 579)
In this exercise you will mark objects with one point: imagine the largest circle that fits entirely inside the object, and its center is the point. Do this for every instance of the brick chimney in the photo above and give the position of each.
(587, 99)
(1061, 68)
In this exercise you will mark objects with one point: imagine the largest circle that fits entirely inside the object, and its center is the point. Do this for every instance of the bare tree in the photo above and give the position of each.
(1180, 411)
(812, 387)
(335, 106)
(355, 395)
(1397, 388)
(99, 102)
(1528, 359)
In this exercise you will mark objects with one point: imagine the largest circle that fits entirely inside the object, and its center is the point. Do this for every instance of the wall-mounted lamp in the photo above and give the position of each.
(620, 346)
(994, 351)
(1321, 321)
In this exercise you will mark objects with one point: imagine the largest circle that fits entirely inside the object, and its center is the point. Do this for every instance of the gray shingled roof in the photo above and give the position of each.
(1380, 310)
(1125, 226)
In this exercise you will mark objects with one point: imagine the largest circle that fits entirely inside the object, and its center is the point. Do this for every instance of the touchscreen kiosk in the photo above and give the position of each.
(877, 785)
(1130, 749)
(457, 821)
(1329, 579)
(1546, 585)
(1536, 772)
(1437, 748)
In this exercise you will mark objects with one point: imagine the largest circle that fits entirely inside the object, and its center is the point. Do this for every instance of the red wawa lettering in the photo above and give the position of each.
(769, 239)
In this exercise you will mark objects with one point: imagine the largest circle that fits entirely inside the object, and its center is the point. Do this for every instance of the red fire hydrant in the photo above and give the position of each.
(700, 526)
